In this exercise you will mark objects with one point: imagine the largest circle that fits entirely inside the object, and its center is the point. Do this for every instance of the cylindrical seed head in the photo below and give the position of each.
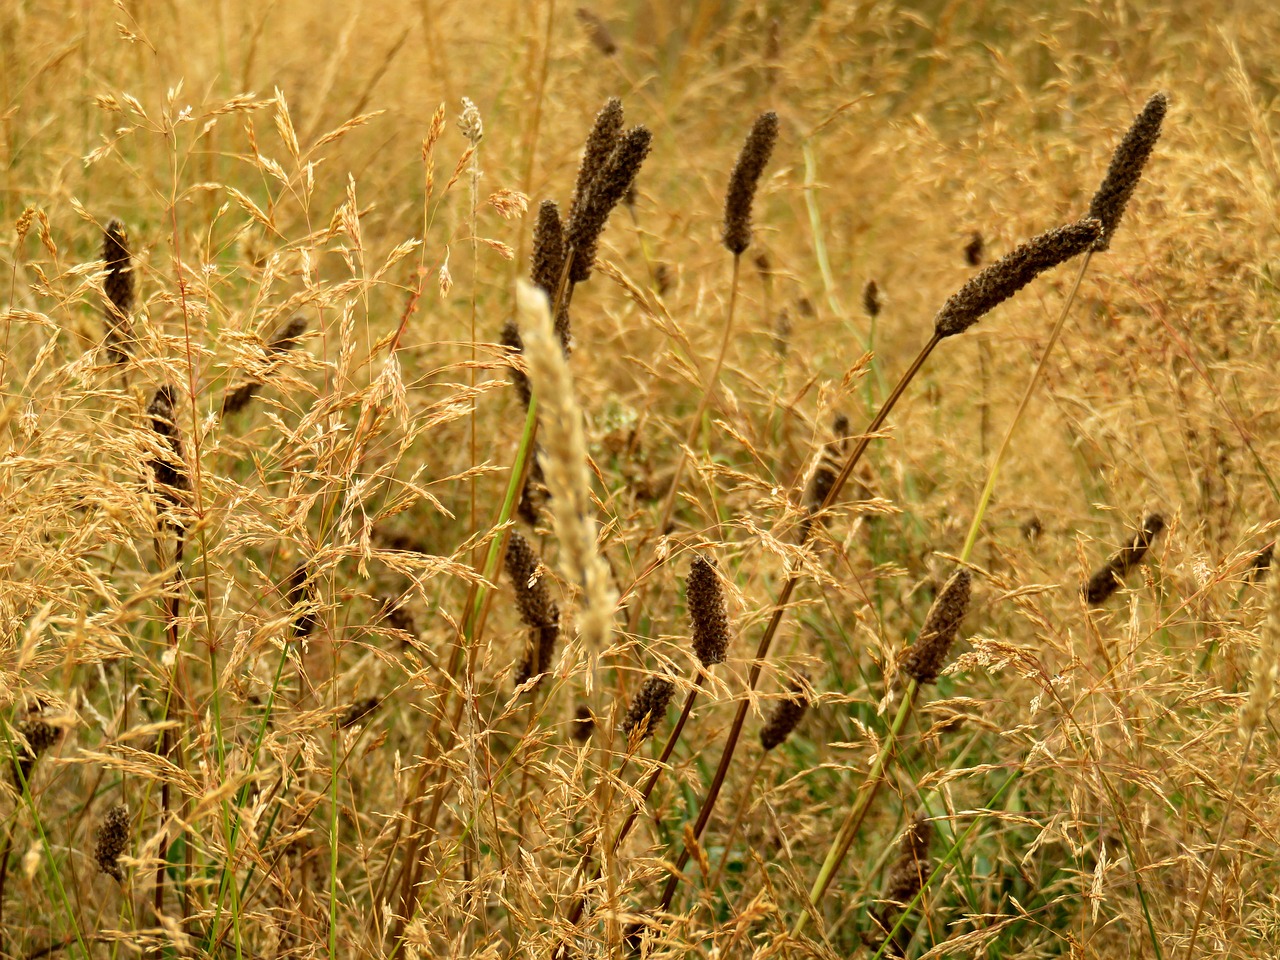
(169, 468)
(548, 248)
(973, 250)
(871, 299)
(744, 180)
(600, 143)
(511, 339)
(704, 596)
(120, 287)
(533, 599)
(786, 715)
(616, 174)
(1002, 279)
(597, 31)
(112, 839)
(928, 655)
(302, 601)
(1109, 577)
(40, 736)
(912, 866)
(1125, 169)
(648, 708)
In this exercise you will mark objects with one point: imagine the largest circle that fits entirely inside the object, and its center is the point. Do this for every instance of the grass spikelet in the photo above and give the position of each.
(1110, 576)
(1002, 279)
(120, 286)
(928, 655)
(609, 186)
(564, 464)
(1125, 169)
(785, 717)
(647, 709)
(111, 840)
(601, 142)
(745, 179)
(704, 596)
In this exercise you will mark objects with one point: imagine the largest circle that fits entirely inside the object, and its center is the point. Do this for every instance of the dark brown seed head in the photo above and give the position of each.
(511, 339)
(928, 655)
(302, 603)
(910, 871)
(705, 598)
(648, 708)
(583, 723)
(1126, 167)
(1002, 279)
(537, 609)
(534, 496)
(824, 476)
(600, 143)
(358, 711)
(282, 341)
(616, 175)
(548, 248)
(1110, 576)
(744, 180)
(871, 299)
(120, 288)
(40, 736)
(597, 32)
(785, 716)
(973, 250)
(169, 468)
(112, 839)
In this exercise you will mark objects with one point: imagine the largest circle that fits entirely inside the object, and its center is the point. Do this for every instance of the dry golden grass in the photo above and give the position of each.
(263, 665)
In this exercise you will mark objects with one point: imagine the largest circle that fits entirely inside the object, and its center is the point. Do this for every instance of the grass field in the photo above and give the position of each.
(320, 639)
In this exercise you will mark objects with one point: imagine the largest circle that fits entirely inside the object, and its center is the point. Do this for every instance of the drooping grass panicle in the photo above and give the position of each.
(785, 716)
(120, 286)
(928, 655)
(648, 708)
(1110, 576)
(704, 595)
(603, 137)
(1002, 279)
(284, 340)
(564, 464)
(745, 179)
(609, 186)
(39, 736)
(1125, 170)
(111, 840)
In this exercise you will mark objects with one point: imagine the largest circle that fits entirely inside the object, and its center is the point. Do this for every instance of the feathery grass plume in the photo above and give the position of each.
(648, 708)
(998, 282)
(39, 737)
(597, 32)
(871, 299)
(1266, 663)
(973, 250)
(583, 723)
(282, 341)
(784, 718)
(928, 655)
(112, 838)
(1125, 169)
(120, 286)
(736, 232)
(301, 599)
(616, 175)
(564, 463)
(537, 609)
(600, 143)
(1110, 576)
(704, 597)
(169, 468)
(510, 338)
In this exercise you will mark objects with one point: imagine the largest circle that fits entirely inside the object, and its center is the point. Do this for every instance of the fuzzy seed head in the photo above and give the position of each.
(973, 250)
(1126, 168)
(120, 288)
(597, 31)
(648, 708)
(301, 597)
(600, 143)
(912, 867)
(928, 655)
(616, 175)
(871, 299)
(704, 596)
(40, 736)
(1002, 279)
(548, 248)
(1110, 576)
(533, 599)
(745, 179)
(112, 839)
(786, 715)
(169, 468)
(510, 338)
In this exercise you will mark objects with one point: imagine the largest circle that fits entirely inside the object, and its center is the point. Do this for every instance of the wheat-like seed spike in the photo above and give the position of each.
(928, 655)
(1125, 169)
(609, 186)
(704, 596)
